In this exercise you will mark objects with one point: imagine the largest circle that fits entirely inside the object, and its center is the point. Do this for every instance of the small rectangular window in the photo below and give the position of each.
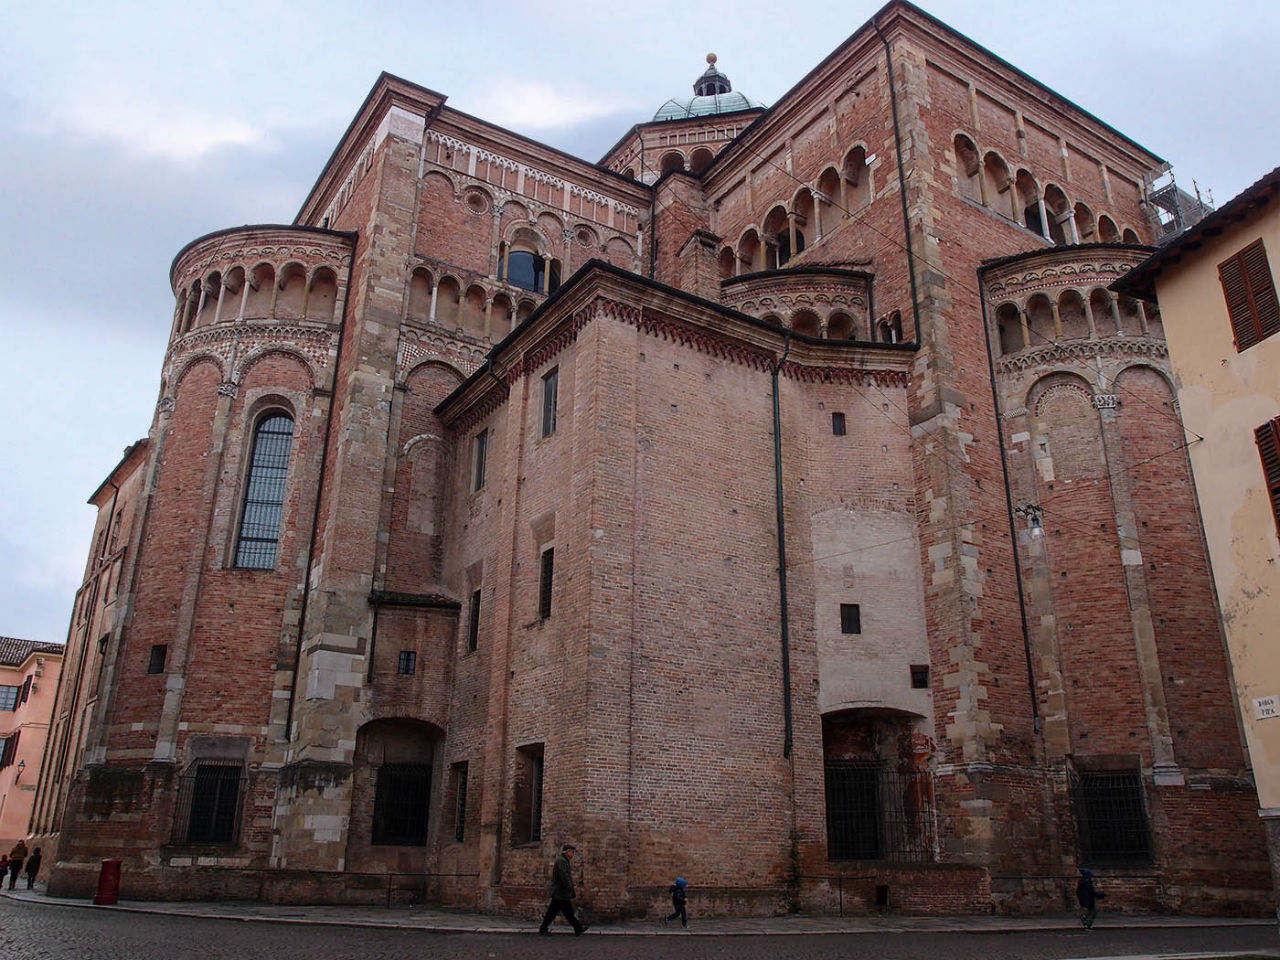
(481, 445)
(837, 424)
(544, 583)
(919, 677)
(473, 622)
(408, 663)
(159, 653)
(9, 697)
(1250, 293)
(459, 801)
(550, 390)
(850, 618)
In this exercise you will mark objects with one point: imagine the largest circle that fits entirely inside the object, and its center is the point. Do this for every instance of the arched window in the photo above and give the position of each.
(524, 270)
(264, 492)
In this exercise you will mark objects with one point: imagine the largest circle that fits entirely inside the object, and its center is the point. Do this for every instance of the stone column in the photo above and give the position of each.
(1044, 217)
(791, 234)
(1142, 317)
(1057, 319)
(435, 288)
(1115, 313)
(1026, 329)
(817, 214)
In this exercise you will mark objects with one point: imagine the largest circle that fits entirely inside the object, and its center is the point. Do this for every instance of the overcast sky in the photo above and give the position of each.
(128, 129)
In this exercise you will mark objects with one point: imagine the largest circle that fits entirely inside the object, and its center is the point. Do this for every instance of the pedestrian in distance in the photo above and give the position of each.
(33, 867)
(1088, 897)
(16, 856)
(562, 893)
(679, 899)
(4, 866)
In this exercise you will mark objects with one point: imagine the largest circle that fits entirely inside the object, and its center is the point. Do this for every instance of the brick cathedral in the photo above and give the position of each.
(784, 501)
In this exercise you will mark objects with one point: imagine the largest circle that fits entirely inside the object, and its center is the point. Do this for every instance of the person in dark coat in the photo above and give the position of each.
(1088, 896)
(679, 899)
(33, 867)
(562, 893)
(16, 856)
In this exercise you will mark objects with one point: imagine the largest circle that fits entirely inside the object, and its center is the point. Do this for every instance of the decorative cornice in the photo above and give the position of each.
(1081, 351)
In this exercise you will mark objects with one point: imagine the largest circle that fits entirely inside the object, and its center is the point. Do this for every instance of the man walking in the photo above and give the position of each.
(562, 893)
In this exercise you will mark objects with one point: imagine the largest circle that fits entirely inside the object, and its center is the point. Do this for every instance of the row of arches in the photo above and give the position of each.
(839, 325)
(987, 179)
(673, 159)
(291, 292)
(814, 210)
(1073, 315)
(468, 305)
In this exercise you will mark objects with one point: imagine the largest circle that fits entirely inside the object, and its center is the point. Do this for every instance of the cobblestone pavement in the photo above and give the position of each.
(35, 930)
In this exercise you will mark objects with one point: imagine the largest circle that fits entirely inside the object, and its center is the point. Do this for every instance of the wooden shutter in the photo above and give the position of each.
(1268, 437)
(1251, 295)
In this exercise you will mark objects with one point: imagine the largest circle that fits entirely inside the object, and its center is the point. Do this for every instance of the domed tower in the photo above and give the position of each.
(686, 133)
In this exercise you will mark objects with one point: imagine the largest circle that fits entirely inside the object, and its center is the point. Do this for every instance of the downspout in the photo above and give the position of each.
(782, 556)
(315, 516)
(1008, 500)
(902, 184)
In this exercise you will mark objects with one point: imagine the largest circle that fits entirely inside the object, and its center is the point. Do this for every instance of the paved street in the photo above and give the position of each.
(38, 931)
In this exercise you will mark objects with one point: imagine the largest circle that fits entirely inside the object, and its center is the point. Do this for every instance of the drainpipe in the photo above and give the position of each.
(902, 183)
(782, 556)
(315, 516)
(1008, 500)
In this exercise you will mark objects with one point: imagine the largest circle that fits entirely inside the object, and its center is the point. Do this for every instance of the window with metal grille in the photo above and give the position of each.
(526, 817)
(1268, 437)
(479, 455)
(9, 697)
(264, 493)
(1111, 818)
(550, 390)
(1250, 291)
(837, 424)
(400, 805)
(850, 618)
(919, 677)
(544, 583)
(209, 804)
(407, 663)
(473, 621)
(159, 653)
(459, 801)
(877, 813)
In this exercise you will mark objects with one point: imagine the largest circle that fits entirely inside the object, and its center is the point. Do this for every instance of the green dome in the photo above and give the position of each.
(713, 93)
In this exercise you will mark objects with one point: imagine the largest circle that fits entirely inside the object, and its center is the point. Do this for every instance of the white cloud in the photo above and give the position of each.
(526, 105)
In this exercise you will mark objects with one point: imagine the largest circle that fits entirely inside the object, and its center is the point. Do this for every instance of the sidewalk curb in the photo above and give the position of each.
(1029, 925)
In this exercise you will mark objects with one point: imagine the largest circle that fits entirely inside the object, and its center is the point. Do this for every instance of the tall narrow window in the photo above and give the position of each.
(526, 817)
(1268, 437)
(837, 424)
(481, 444)
(544, 583)
(473, 622)
(460, 801)
(159, 653)
(1251, 295)
(407, 663)
(264, 493)
(550, 388)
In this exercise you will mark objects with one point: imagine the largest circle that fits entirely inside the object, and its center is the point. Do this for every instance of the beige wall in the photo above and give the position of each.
(1225, 395)
(31, 722)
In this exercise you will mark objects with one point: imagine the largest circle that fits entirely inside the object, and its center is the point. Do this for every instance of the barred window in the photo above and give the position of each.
(837, 424)
(877, 813)
(209, 804)
(460, 801)
(400, 805)
(264, 493)
(1111, 818)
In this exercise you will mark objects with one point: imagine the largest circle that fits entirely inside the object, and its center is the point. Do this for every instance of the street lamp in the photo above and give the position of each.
(1033, 514)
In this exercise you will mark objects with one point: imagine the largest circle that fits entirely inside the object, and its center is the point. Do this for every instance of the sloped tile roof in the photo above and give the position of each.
(13, 651)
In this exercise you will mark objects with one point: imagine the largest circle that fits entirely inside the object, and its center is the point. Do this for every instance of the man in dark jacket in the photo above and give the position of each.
(1088, 896)
(562, 893)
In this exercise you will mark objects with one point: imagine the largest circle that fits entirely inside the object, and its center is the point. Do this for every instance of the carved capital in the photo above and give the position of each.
(227, 389)
(166, 405)
(1105, 401)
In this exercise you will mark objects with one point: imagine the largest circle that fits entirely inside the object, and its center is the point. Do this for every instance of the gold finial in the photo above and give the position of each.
(711, 58)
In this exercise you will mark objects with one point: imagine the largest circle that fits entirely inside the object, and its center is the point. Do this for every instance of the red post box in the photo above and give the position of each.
(108, 882)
